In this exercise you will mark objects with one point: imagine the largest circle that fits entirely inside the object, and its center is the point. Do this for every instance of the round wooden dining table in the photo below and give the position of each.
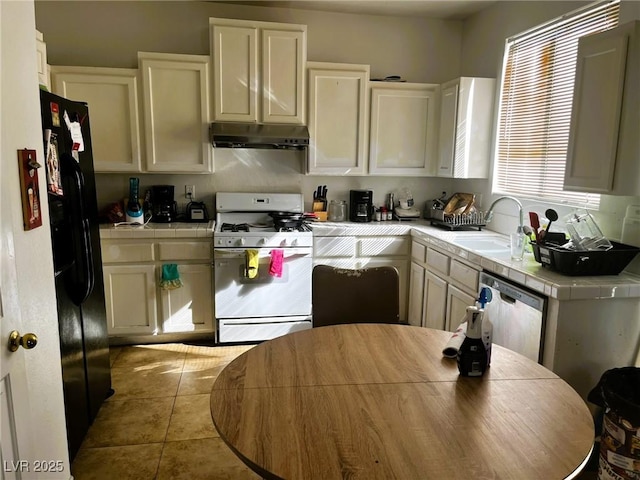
(379, 401)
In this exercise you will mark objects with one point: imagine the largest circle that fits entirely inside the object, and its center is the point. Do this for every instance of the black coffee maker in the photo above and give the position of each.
(163, 205)
(360, 205)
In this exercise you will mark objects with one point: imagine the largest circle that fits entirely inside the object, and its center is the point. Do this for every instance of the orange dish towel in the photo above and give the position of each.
(275, 266)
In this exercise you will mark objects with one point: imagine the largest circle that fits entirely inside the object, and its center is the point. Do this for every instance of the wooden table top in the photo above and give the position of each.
(377, 401)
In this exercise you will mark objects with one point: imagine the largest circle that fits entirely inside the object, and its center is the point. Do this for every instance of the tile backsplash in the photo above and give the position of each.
(253, 170)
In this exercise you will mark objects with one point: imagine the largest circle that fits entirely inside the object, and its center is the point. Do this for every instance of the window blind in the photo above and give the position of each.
(535, 105)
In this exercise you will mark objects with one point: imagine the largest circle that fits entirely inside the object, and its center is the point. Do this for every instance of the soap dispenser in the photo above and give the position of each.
(475, 352)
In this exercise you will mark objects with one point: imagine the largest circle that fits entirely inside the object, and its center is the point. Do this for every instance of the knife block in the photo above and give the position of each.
(318, 209)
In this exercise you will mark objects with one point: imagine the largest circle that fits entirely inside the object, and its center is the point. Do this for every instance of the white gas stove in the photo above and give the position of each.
(261, 220)
(265, 233)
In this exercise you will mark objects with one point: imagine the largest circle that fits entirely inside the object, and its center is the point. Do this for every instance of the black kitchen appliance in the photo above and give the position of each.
(164, 207)
(197, 212)
(360, 205)
(75, 240)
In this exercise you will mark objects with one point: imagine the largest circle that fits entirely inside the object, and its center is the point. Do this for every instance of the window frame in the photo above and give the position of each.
(548, 165)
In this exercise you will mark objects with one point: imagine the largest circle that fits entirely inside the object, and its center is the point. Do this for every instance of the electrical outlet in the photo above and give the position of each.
(190, 191)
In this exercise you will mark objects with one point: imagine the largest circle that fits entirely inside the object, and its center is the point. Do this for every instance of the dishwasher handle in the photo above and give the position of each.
(512, 291)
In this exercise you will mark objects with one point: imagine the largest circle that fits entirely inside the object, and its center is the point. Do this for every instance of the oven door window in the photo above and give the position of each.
(237, 296)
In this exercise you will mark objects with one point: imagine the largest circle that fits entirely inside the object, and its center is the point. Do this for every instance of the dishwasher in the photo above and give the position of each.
(518, 316)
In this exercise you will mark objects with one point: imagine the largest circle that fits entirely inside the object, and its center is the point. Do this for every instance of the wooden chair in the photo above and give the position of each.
(366, 295)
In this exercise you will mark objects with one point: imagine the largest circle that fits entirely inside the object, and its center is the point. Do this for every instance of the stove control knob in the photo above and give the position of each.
(265, 240)
(241, 241)
(294, 242)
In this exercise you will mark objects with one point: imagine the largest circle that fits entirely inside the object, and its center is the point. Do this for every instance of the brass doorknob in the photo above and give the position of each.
(28, 340)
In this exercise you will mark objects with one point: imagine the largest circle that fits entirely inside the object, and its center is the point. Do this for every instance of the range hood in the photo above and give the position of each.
(252, 135)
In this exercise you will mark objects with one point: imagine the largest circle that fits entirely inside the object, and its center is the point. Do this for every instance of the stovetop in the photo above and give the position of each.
(287, 227)
(244, 220)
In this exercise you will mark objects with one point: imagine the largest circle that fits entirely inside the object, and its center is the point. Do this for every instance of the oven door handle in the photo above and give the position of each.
(263, 252)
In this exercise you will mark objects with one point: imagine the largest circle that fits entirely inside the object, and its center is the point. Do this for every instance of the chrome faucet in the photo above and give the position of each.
(489, 215)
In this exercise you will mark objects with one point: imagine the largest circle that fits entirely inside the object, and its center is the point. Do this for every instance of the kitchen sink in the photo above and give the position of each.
(490, 244)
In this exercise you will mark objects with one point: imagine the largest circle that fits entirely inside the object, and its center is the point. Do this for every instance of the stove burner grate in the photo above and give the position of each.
(234, 227)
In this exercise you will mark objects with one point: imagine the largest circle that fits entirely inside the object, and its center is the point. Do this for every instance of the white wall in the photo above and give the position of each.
(483, 43)
(21, 129)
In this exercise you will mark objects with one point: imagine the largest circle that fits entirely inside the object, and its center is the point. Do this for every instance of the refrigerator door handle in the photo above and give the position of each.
(84, 260)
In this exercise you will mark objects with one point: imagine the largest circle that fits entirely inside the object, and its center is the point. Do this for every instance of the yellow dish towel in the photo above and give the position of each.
(252, 263)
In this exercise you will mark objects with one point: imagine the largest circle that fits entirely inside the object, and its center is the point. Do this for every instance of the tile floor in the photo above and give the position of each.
(158, 425)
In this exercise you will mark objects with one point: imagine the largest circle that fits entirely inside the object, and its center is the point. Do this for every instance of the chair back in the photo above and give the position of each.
(365, 295)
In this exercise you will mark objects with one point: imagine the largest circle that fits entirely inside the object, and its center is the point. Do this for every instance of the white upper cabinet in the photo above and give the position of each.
(466, 119)
(604, 139)
(112, 96)
(176, 106)
(43, 68)
(404, 133)
(259, 71)
(337, 118)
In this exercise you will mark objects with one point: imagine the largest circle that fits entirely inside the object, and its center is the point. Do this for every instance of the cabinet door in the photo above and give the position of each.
(435, 302)
(403, 134)
(416, 294)
(112, 96)
(130, 297)
(176, 112)
(447, 136)
(43, 67)
(403, 272)
(466, 121)
(189, 308)
(284, 56)
(595, 118)
(457, 303)
(235, 66)
(338, 119)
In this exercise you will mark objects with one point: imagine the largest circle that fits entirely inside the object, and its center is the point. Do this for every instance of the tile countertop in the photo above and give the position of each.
(158, 230)
(527, 272)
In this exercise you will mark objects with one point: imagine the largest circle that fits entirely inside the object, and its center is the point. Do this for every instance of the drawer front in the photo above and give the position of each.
(334, 247)
(437, 261)
(184, 251)
(383, 246)
(464, 275)
(121, 252)
(418, 252)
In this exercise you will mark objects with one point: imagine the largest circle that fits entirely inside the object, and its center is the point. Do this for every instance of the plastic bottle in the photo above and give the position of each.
(472, 356)
(487, 327)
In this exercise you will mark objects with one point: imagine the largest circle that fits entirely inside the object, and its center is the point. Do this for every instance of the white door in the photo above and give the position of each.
(16, 428)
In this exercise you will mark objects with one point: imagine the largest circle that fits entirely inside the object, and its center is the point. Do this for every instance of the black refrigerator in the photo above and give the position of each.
(75, 240)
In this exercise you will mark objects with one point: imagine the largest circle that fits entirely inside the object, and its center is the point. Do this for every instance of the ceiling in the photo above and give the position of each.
(443, 9)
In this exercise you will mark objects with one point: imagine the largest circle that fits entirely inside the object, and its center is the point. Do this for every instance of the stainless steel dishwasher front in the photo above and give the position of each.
(518, 316)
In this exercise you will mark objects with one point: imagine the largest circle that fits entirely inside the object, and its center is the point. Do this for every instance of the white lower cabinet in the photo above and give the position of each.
(350, 251)
(457, 303)
(188, 309)
(435, 302)
(130, 298)
(136, 303)
(416, 294)
(441, 287)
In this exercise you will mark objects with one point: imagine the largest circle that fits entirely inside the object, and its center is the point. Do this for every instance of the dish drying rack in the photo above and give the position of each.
(458, 221)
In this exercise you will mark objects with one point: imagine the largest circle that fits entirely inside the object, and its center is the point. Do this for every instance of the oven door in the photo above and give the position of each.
(237, 296)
